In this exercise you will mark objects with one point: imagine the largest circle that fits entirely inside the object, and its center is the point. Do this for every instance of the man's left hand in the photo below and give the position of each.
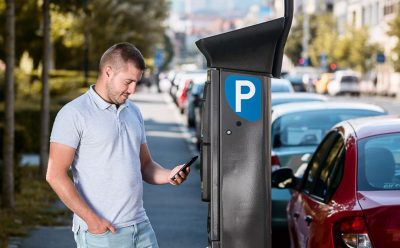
(179, 178)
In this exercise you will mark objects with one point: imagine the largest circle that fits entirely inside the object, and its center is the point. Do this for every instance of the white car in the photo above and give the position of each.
(344, 82)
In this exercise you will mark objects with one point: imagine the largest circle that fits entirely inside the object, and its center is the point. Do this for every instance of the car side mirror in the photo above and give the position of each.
(283, 178)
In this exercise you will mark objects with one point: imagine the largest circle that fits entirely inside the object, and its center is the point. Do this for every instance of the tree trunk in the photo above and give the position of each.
(45, 104)
(8, 200)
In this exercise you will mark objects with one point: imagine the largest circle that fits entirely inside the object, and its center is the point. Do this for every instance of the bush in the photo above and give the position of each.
(29, 86)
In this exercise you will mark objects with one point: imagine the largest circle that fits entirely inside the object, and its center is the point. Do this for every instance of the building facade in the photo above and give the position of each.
(374, 15)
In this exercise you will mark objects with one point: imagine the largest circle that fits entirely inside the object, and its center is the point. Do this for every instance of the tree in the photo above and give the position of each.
(325, 40)
(107, 21)
(169, 52)
(136, 21)
(354, 51)
(8, 199)
(395, 31)
(293, 45)
(45, 103)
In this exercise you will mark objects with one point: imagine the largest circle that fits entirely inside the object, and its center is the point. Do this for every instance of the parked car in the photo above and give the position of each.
(281, 98)
(195, 94)
(281, 85)
(297, 129)
(303, 78)
(348, 193)
(344, 81)
(182, 80)
(297, 82)
(183, 88)
(321, 86)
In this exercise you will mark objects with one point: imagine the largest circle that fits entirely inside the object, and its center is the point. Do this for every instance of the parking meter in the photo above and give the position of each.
(236, 127)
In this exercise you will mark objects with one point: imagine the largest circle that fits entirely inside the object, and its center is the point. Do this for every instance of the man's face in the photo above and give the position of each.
(121, 83)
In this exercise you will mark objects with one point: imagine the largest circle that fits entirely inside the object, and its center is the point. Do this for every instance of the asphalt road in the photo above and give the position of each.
(177, 213)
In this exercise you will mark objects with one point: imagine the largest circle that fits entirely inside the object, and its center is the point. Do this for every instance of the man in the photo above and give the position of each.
(101, 136)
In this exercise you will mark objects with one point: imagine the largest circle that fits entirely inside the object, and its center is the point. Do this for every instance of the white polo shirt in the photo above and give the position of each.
(106, 167)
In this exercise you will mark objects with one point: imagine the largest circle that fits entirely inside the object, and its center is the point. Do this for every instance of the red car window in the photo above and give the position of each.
(379, 163)
(326, 168)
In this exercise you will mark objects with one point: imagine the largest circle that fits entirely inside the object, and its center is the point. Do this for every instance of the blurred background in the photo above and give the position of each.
(49, 53)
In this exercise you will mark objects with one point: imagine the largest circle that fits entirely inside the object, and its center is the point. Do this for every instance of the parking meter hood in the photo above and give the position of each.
(258, 48)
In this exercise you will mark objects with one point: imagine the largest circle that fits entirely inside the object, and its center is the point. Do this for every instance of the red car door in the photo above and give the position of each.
(309, 208)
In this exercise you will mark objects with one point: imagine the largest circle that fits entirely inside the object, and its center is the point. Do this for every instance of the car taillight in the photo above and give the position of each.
(352, 232)
(275, 164)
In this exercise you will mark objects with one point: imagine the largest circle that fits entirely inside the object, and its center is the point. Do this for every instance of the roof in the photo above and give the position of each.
(288, 108)
(298, 95)
(370, 126)
(281, 85)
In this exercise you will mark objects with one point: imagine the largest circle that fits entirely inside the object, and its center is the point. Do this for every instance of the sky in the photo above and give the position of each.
(222, 6)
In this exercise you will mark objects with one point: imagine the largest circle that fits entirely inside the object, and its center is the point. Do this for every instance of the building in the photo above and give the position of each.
(376, 16)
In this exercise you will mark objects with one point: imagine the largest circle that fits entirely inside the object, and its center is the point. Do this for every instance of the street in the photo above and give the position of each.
(177, 213)
(390, 104)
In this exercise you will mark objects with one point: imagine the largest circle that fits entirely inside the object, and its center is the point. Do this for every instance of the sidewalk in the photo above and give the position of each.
(177, 214)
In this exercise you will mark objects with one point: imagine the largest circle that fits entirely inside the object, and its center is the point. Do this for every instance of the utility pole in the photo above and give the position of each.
(306, 31)
(8, 199)
(45, 103)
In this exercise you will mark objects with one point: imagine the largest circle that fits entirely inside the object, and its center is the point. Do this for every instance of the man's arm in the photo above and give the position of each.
(154, 173)
(60, 159)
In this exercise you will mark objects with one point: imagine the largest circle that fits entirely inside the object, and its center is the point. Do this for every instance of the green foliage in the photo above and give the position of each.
(354, 51)
(293, 45)
(395, 31)
(169, 52)
(62, 82)
(28, 34)
(33, 207)
(135, 21)
(64, 86)
(106, 21)
(325, 40)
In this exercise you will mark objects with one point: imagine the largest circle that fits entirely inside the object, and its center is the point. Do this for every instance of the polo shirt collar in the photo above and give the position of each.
(101, 104)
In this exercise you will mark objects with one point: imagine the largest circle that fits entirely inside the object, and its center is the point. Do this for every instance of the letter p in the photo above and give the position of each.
(240, 96)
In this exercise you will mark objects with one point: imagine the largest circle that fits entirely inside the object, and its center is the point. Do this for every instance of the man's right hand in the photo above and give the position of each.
(100, 226)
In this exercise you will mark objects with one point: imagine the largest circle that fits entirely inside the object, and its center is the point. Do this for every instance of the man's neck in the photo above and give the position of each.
(97, 92)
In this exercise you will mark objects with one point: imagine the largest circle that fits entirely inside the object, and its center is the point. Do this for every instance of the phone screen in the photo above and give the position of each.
(187, 164)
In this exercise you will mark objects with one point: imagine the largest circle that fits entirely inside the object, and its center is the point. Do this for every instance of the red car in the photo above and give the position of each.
(348, 195)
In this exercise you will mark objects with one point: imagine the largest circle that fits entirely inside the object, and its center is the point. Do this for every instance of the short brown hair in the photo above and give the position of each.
(121, 53)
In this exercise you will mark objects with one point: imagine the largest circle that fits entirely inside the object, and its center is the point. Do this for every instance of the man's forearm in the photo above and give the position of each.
(154, 173)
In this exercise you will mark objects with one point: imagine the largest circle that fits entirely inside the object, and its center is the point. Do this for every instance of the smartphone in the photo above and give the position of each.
(187, 164)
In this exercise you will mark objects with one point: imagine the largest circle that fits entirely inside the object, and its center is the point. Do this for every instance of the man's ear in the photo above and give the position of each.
(108, 71)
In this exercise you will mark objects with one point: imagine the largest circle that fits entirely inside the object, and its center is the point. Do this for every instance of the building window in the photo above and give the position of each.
(389, 9)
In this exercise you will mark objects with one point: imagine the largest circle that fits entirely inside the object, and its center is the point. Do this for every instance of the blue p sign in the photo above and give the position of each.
(243, 94)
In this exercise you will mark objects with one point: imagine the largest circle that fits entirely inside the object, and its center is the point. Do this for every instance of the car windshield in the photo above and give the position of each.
(349, 79)
(280, 87)
(307, 128)
(379, 163)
